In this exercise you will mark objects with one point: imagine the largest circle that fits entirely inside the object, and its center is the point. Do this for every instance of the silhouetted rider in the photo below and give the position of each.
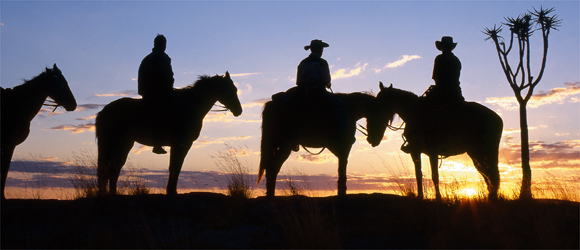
(310, 95)
(313, 71)
(446, 72)
(155, 73)
(155, 80)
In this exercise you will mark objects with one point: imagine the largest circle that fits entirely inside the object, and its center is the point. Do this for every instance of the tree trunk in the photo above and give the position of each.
(526, 190)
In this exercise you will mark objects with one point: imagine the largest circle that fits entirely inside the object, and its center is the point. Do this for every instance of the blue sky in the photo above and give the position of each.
(99, 44)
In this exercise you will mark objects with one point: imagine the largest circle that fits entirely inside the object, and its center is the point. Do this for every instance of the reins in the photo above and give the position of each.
(224, 108)
(323, 148)
(51, 104)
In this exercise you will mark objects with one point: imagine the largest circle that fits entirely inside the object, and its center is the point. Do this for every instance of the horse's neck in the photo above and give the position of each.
(201, 100)
(358, 104)
(407, 108)
(29, 97)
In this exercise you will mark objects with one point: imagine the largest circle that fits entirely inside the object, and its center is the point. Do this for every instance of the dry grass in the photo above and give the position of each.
(84, 177)
(296, 183)
(239, 181)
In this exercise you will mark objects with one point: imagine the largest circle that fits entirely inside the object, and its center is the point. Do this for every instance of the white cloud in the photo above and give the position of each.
(244, 74)
(345, 73)
(402, 60)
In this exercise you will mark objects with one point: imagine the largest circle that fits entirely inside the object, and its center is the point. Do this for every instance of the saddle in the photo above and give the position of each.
(316, 107)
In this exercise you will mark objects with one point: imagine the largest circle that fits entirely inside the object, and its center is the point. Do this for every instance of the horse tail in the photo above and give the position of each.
(265, 144)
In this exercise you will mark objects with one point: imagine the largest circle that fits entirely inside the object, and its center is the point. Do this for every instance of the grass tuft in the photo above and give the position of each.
(84, 177)
(239, 181)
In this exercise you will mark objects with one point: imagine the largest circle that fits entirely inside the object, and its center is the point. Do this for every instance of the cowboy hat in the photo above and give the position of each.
(445, 43)
(316, 43)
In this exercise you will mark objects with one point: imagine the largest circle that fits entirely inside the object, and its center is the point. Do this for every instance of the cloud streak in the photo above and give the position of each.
(204, 141)
(76, 129)
(399, 63)
(346, 73)
(244, 74)
(126, 93)
(556, 95)
(545, 155)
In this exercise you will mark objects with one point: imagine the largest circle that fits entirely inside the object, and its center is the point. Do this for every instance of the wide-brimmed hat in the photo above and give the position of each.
(445, 43)
(316, 44)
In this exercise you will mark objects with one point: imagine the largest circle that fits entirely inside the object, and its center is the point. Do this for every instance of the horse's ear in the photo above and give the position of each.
(391, 86)
(54, 66)
(228, 75)
(381, 86)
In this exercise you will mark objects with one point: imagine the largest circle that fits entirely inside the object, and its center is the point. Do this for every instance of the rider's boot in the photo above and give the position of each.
(159, 150)
(406, 148)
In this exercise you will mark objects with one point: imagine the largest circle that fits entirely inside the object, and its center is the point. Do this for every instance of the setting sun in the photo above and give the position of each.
(469, 192)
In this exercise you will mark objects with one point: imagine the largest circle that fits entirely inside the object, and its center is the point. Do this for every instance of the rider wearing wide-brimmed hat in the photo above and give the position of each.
(313, 71)
(446, 71)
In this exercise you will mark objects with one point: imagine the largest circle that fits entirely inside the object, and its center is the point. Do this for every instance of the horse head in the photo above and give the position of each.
(58, 89)
(382, 118)
(228, 96)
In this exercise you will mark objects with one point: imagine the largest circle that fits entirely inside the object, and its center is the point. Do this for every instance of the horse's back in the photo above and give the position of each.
(305, 117)
(116, 114)
(463, 113)
(465, 126)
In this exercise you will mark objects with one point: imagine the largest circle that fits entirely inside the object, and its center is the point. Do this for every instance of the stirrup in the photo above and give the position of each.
(159, 150)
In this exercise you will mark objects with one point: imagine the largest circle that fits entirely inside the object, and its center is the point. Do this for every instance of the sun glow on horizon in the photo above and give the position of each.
(469, 192)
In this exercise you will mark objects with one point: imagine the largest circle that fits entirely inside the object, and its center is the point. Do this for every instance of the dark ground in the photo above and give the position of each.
(209, 220)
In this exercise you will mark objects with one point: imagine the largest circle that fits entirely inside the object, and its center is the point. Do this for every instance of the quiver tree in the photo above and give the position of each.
(520, 77)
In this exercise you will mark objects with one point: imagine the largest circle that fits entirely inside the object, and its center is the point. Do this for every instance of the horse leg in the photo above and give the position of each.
(279, 157)
(416, 156)
(342, 162)
(342, 155)
(488, 168)
(434, 161)
(111, 159)
(103, 173)
(6, 158)
(176, 160)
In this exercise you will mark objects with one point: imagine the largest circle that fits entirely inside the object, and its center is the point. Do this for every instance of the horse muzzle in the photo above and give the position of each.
(374, 142)
(236, 112)
(70, 106)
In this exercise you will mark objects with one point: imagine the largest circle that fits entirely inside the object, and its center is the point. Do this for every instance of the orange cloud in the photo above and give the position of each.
(202, 142)
(544, 155)
(555, 95)
(76, 129)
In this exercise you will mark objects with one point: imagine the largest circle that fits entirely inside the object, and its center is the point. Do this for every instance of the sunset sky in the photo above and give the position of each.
(99, 45)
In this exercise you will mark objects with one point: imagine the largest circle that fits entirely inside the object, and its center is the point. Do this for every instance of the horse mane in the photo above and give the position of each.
(27, 84)
(203, 83)
(405, 93)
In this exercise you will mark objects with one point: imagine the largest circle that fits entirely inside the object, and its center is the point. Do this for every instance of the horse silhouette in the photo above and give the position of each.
(125, 121)
(21, 103)
(287, 125)
(453, 129)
